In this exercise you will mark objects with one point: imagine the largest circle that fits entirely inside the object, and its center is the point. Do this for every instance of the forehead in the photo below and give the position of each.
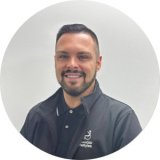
(75, 40)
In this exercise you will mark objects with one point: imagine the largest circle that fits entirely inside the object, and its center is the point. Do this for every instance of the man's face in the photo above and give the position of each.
(76, 62)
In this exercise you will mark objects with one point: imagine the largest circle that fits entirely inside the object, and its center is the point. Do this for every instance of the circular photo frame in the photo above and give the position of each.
(129, 71)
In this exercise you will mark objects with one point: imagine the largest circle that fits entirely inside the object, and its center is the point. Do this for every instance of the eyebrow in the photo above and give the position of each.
(84, 52)
(58, 52)
(64, 52)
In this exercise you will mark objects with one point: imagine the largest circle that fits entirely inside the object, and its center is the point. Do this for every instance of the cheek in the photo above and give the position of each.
(58, 67)
(90, 71)
(58, 71)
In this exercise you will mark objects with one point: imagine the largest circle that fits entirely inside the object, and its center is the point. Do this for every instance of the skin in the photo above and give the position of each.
(76, 52)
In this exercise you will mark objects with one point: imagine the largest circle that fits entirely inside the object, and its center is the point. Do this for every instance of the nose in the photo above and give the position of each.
(72, 63)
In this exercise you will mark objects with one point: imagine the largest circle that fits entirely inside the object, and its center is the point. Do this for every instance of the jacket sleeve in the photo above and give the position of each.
(30, 125)
(126, 129)
(38, 132)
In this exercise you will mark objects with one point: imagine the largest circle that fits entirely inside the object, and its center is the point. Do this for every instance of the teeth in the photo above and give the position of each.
(73, 76)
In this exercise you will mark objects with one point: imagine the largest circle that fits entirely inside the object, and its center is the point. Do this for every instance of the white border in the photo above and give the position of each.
(14, 13)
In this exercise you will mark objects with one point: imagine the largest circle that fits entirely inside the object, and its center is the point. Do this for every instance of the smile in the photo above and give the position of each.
(73, 75)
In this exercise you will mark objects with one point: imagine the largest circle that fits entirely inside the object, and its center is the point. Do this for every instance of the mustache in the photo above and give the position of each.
(73, 71)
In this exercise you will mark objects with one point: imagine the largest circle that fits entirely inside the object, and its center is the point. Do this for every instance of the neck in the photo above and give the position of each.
(74, 102)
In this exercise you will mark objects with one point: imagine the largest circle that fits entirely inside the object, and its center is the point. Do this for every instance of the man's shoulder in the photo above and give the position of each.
(110, 104)
(114, 105)
(113, 110)
(47, 107)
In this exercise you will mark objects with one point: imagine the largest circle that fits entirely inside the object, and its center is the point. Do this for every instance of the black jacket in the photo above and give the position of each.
(107, 126)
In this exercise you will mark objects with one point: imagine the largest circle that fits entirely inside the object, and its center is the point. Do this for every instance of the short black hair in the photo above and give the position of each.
(77, 28)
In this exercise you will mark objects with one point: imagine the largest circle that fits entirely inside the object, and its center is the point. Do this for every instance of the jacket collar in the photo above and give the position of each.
(86, 101)
(89, 100)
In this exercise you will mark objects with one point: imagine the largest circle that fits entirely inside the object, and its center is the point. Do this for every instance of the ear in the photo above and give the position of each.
(99, 62)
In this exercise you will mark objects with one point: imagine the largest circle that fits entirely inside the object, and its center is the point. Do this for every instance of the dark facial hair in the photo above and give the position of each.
(77, 91)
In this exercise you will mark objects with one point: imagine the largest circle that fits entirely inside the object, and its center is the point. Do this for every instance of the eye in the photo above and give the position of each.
(62, 57)
(83, 57)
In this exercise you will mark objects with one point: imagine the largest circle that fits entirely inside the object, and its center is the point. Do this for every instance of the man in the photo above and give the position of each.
(79, 121)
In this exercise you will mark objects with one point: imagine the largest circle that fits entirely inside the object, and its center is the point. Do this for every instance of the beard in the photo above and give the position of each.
(77, 91)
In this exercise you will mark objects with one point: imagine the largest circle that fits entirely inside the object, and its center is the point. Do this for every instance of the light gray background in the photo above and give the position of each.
(129, 71)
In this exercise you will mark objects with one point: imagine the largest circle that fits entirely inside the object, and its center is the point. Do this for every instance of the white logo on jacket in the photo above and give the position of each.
(86, 143)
